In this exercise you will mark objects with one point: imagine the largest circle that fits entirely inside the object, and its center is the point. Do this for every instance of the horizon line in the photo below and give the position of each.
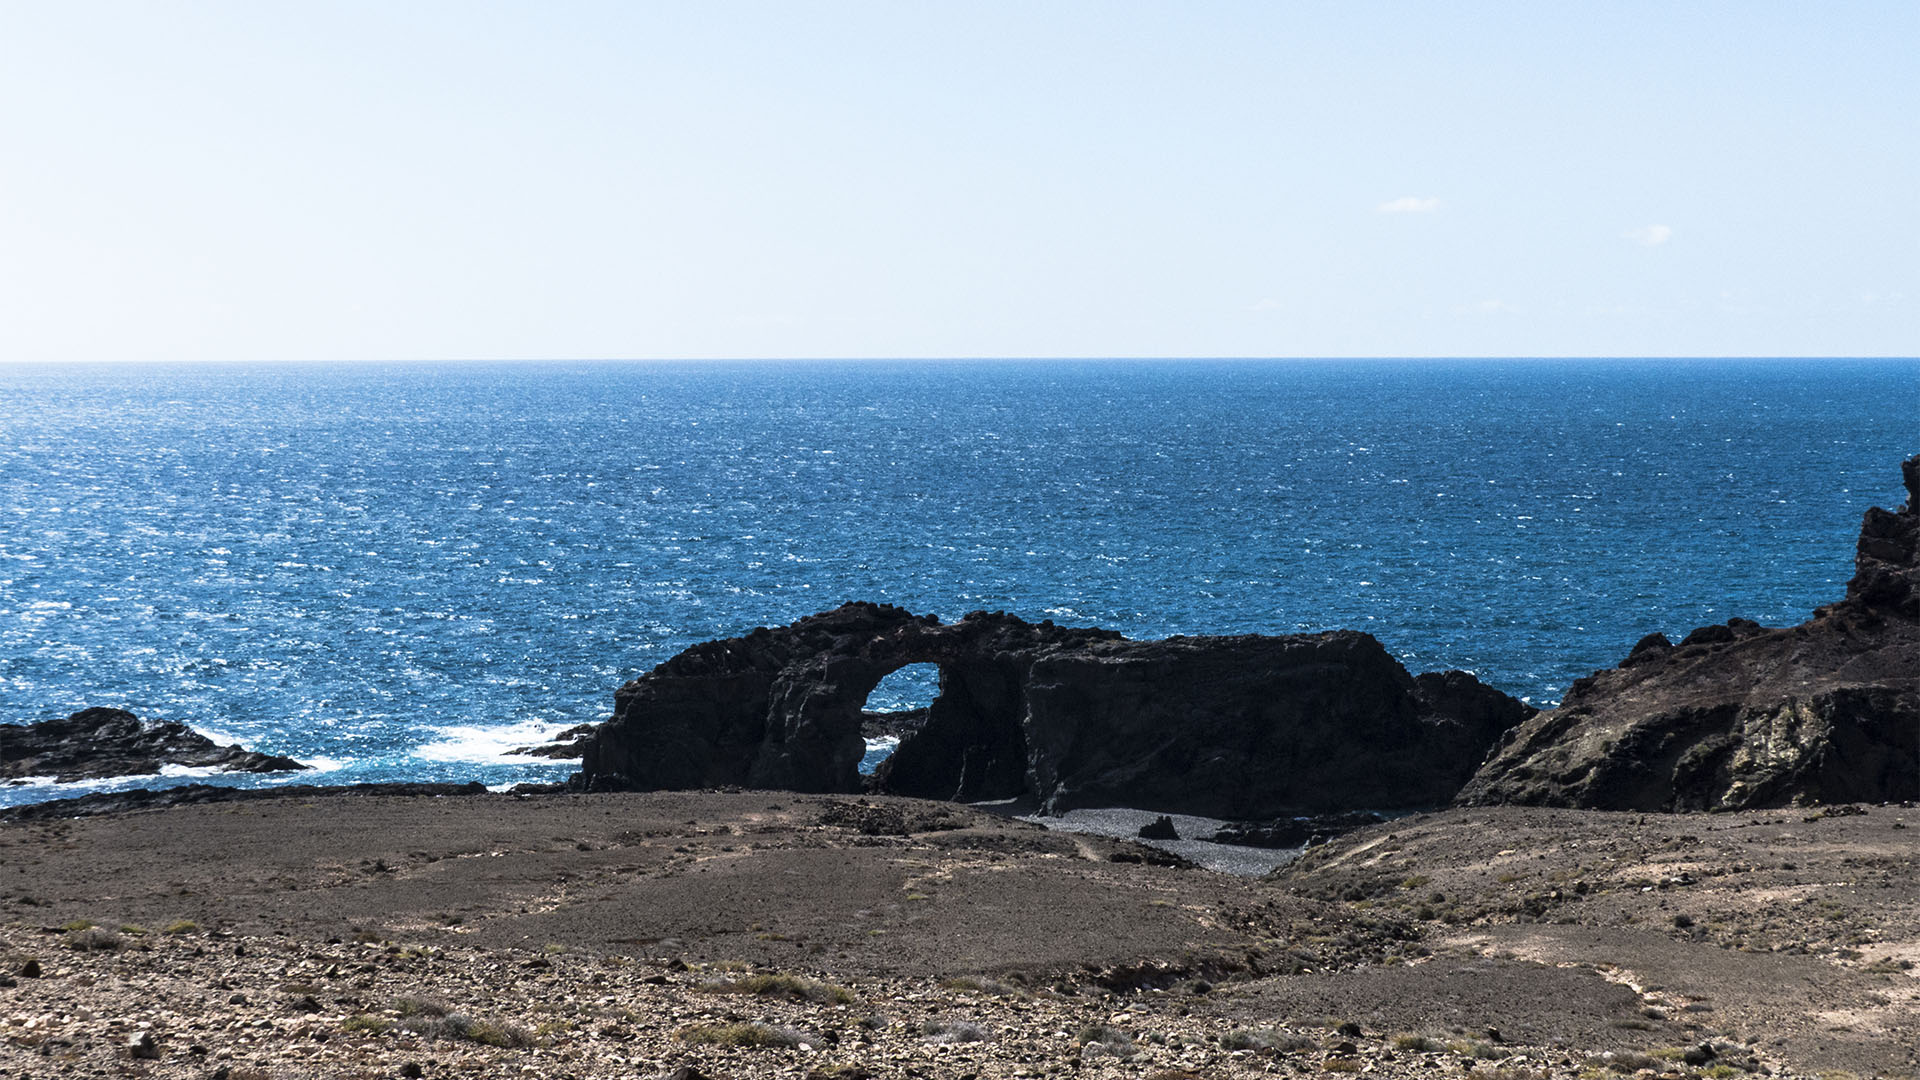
(953, 359)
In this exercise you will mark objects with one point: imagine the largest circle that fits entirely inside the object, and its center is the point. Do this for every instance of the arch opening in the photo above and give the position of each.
(895, 708)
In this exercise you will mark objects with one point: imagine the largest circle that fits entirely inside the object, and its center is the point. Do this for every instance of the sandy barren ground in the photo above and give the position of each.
(609, 935)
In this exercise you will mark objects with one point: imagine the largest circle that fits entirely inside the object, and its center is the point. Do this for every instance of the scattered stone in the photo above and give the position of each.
(143, 1046)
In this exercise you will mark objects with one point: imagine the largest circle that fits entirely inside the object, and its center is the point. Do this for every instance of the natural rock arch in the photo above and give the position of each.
(1247, 726)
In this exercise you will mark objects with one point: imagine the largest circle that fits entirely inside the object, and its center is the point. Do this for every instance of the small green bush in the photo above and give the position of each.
(1479, 1051)
(752, 1035)
(1263, 1039)
(459, 1026)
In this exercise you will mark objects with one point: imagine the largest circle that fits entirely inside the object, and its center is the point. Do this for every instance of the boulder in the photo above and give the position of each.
(1160, 828)
(1231, 727)
(1741, 716)
(96, 743)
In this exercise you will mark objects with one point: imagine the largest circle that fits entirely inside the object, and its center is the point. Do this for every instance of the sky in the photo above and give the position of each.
(346, 181)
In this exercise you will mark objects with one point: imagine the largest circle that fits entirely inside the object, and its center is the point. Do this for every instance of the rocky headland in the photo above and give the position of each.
(100, 743)
(1743, 716)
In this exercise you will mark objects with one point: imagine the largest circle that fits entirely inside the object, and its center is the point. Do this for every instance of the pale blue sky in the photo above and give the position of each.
(417, 180)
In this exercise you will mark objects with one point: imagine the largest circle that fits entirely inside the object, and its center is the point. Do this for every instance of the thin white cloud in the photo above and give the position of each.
(1409, 204)
(1651, 235)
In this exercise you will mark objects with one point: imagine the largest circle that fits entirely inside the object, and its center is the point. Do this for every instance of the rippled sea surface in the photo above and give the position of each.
(403, 572)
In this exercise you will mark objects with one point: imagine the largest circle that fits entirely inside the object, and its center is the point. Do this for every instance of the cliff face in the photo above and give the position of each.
(1236, 727)
(1744, 716)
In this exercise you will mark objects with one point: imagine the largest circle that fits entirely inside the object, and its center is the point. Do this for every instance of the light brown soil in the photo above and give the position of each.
(319, 937)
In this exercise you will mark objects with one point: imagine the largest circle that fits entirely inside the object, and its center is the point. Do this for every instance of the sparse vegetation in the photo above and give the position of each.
(1625, 1061)
(94, 939)
(791, 987)
(1479, 1051)
(751, 1035)
(972, 984)
(952, 1031)
(1263, 1039)
(460, 1026)
(1117, 1042)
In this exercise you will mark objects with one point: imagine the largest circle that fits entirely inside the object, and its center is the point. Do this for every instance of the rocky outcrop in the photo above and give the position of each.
(1231, 727)
(126, 802)
(1743, 716)
(97, 743)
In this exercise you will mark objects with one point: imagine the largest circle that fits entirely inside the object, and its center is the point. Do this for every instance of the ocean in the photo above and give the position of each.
(405, 572)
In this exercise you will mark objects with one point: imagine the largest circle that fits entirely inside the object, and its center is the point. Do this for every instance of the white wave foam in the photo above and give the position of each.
(33, 781)
(473, 744)
(313, 764)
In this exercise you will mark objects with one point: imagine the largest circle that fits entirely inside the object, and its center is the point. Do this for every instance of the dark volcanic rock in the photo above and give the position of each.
(1744, 716)
(1230, 727)
(96, 743)
(1294, 832)
(1160, 828)
(120, 802)
(565, 745)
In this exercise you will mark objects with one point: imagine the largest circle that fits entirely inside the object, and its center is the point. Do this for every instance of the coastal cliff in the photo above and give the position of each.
(1743, 716)
(1236, 727)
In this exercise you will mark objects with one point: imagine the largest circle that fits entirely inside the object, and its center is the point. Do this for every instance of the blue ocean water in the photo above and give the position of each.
(402, 572)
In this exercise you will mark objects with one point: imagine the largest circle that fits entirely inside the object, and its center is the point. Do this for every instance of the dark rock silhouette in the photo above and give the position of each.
(1160, 828)
(1231, 727)
(96, 743)
(1743, 716)
(120, 802)
(1294, 832)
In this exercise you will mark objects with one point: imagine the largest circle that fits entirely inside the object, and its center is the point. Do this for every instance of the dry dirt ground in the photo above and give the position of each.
(767, 934)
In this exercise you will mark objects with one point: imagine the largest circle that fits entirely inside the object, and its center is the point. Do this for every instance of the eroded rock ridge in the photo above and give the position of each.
(1235, 727)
